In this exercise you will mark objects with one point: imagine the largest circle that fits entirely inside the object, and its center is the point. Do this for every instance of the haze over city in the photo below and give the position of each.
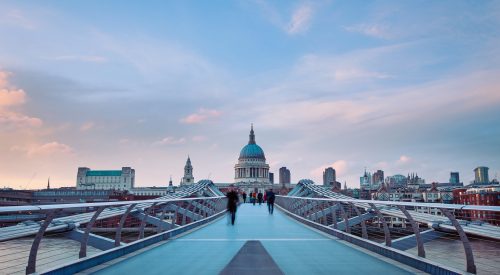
(406, 87)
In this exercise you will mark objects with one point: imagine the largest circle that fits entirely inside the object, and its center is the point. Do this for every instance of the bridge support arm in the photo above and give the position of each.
(469, 257)
(381, 218)
(364, 232)
(416, 231)
(143, 222)
(85, 239)
(31, 268)
(118, 235)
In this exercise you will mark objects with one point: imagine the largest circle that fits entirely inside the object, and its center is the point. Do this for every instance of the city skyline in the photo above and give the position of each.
(400, 87)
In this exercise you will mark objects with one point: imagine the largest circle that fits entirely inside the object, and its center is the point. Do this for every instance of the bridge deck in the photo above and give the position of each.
(295, 248)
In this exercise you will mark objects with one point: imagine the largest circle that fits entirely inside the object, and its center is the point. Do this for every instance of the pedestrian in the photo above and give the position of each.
(270, 201)
(265, 196)
(254, 197)
(259, 197)
(232, 204)
(244, 195)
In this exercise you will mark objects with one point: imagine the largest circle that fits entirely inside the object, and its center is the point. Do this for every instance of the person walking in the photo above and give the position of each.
(259, 197)
(244, 195)
(254, 197)
(232, 204)
(270, 201)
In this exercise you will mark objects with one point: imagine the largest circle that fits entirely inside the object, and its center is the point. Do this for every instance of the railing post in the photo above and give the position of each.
(334, 215)
(346, 220)
(118, 235)
(469, 257)
(143, 222)
(31, 268)
(83, 243)
(162, 218)
(381, 218)
(323, 213)
(364, 232)
(416, 231)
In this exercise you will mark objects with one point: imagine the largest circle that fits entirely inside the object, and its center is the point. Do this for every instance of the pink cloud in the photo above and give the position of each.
(16, 120)
(170, 141)
(10, 96)
(201, 116)
(198, 138)
(340, 167)
(47, 149)
(87, 126)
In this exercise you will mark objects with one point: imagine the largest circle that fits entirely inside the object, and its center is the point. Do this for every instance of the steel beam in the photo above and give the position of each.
(143, 221)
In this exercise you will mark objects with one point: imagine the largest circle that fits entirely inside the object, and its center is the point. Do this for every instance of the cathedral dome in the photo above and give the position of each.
(252, 150)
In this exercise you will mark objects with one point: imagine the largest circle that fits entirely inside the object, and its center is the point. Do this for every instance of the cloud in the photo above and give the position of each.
(473, 92)
(198, 138)
(355, 73)
(11, 120)
(300, 20)
(47, 149)
(11, 96)
(18, 18)
(170, 141)
(372, 30)
(340, 167)
(81, 58)
(87, 126)
(404, 159)
(201, 116)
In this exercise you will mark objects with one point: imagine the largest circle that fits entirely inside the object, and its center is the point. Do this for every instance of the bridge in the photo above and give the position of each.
(312, 231)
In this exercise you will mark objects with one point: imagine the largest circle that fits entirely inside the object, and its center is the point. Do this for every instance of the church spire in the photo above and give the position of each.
(252, 135)
(48, 183)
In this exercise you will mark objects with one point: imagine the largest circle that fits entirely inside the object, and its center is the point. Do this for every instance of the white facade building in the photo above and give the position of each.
(123, 179)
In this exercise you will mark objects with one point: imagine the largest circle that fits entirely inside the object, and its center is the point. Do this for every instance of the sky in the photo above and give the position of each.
(401, 86)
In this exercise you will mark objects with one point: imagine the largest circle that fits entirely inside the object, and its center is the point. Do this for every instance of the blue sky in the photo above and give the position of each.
(392, 85)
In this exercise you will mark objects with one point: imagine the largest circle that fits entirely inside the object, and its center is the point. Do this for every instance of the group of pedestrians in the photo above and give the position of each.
(254, 197)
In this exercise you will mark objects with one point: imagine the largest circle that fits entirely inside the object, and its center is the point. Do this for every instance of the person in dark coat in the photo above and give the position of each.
(270, 200)
(232, 204)
(244, 195)
(259, 198)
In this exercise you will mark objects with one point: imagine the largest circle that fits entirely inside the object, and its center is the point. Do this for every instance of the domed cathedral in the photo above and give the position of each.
(251, 173)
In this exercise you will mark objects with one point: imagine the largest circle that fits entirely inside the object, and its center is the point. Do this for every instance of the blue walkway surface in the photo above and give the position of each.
(295, 248)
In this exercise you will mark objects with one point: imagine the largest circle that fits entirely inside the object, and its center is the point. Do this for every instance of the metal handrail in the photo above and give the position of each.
(10, 209)
(400, 203)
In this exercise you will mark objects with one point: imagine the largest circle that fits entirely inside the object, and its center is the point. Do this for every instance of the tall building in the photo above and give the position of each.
(454, 177)
(251, 173)
(284, 175)
(271, 178)
(481, 175)
(365, 182)
(123, 179)
(378, 177)
(329, 176)
(188, 173)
